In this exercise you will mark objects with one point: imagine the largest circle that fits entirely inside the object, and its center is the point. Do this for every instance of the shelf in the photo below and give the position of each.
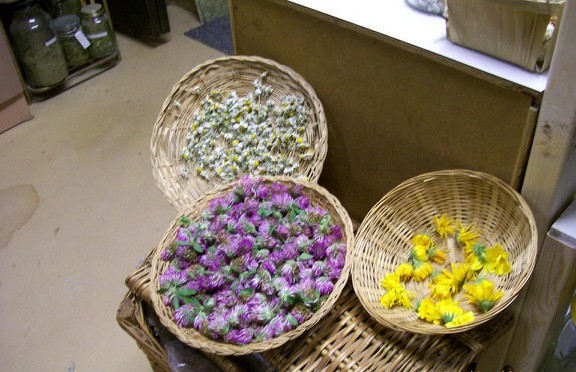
(397, 20)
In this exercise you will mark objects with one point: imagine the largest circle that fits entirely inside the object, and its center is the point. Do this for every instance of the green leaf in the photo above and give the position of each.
(292, 320)
(180, 242)
(196, 303)
(185, 221)
(305, 256)
(197, 247)
(162, 290)
(264, 212)
(292, 216)
(185, 292)
(246, 293)
(176, 303)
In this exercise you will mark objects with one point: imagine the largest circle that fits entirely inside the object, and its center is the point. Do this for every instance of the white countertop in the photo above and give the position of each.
(396, 19)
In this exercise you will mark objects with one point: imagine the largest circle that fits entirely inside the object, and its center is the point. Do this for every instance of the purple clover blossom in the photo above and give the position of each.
(324, 285)
(332, 270)
(302, 202)
(185, 315)
(280, 282)
(267, 287)
(337, 232)
(289, 271)
(281, 231)
(276, 257)
(318, 250)
(263, 192)
(286, 295)
(280, 325)
(251, 207)
(318, 268)
(242, 311)
(264, 229)
(265, 333)
(217, 324)
(302, 242)
(262, 254)
(214, 281)
(242, 337)
(247, 184)
(251, 263)
(290, 251)
(173, 278)
(316, 214)
(169, 253)
(224, 298)
(305, 274)
(336, 250)
(263, 313)
(201, 321)
(305, 285)
(219, 205)
(210, 261)
(281, 201)
(269, 266)
(296, 190)
(232, 318)
(278, 188)
(301, 313)
(180, 263)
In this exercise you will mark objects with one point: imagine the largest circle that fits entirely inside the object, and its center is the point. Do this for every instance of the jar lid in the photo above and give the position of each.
(92, 9)
(25, 4)
(66, 23)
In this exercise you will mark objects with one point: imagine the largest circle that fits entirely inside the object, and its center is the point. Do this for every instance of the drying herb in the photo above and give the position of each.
(74, 52)
(468, 274)
(258, 263)
(45, 66)
(232, 135)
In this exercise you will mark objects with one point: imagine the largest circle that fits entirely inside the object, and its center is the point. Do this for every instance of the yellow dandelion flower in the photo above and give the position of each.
(482, 294)
(441, 289)
(461, 319)
(460, 272)
(475, 256)
(397, 296)
(444, 225)
(423, 240)
(497, 261)
(466, 235)
(390, 281)
(427, 311)
(422, 270)
(448, 310)
(419, 252)
(437, 255)
(404, 272)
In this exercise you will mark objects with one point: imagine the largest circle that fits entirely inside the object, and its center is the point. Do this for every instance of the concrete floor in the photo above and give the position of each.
(79, 209)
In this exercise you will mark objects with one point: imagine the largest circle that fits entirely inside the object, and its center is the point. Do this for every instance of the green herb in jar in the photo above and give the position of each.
(98, 31)
(72, 39)
(44, 67)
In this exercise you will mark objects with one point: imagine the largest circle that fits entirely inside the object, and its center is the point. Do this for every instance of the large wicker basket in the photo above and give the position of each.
(383, 239)
(318, 196)
(234, 73)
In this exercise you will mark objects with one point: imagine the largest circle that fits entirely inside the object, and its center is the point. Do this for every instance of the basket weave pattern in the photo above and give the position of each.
(235, 73)
(383, 241)
(346, 339)
(318, 196)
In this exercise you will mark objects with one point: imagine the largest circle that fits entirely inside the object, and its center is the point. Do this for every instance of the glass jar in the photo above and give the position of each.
(36, 45)
(95, 23)
(64, 7)
(74, 42)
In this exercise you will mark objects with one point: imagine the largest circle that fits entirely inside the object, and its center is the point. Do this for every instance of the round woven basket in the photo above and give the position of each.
(235, 73)
(318, 196)
(496, 210)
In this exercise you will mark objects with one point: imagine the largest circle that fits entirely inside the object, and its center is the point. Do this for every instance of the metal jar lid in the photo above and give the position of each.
(92, 10)
(66, 23)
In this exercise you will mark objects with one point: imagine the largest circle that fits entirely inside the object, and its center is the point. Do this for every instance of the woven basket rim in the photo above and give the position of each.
(221, 348)
(372, 219)
(195, 185)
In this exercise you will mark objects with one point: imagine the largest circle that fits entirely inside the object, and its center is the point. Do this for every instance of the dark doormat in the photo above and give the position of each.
(216, 34)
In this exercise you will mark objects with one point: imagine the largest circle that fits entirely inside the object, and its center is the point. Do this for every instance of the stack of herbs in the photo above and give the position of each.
(258, 263)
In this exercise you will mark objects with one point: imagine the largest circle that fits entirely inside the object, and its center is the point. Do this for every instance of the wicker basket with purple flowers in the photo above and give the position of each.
(251, 265)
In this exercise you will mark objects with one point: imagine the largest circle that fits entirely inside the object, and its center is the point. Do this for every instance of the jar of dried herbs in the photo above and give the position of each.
(36, 45)
(73, 40)
(64, 7)
(95, 23)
